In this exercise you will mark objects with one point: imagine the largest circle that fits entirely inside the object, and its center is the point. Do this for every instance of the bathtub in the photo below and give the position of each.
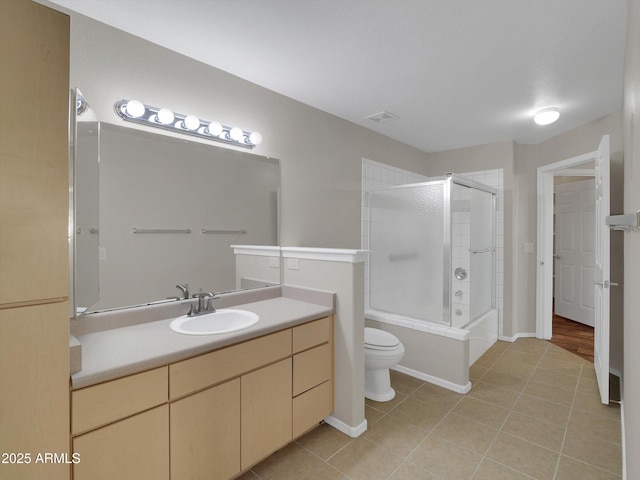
(437, 353)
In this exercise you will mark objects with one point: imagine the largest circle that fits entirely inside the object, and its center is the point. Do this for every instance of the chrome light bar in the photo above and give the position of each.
(137, 112)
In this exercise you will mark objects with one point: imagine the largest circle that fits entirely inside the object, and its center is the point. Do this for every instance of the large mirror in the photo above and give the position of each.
(84, 207)
(170, 212)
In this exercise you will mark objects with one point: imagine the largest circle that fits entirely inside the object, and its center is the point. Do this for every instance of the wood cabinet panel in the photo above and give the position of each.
(311, 368)
(266, 411)
(110, 401)
(205, 434)
(312, 334)
(215, 367)
(34, 153)
(133, 448)
(311, 407)
(34, 387)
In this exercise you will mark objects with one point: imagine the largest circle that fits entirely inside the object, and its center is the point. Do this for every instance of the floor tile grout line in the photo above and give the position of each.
(566, 431)
(541, 364)
(326, 461)
(428, 433)
(500, 429)
(449, 412)
(601, 469)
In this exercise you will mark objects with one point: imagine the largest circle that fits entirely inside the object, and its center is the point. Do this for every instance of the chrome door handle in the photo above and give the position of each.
(606, 284)
(555, 255)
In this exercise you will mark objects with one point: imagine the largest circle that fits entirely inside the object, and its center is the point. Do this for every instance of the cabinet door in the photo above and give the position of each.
(266, 411)
(311, 407)
(136, 447)
(34, 163)
(205, 434)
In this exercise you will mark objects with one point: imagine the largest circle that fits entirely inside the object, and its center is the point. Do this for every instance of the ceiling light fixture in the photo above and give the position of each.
(137, 112)
(546, 116)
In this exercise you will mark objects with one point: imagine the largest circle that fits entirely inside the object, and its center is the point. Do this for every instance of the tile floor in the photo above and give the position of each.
(533, 413)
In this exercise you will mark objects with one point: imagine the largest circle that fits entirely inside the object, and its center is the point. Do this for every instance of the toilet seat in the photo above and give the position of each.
(376, 339)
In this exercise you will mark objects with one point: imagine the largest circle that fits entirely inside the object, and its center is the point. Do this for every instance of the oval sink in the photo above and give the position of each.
(221, 321)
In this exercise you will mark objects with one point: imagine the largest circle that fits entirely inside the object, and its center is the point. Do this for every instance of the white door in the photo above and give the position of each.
(575, 251)
(602, 280)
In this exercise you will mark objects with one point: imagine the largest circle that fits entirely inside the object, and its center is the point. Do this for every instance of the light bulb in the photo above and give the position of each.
(215, 128)
(165, 116)
(236, 134)
(135, 109)
(546, 116)
(191, 122)
(255, 138)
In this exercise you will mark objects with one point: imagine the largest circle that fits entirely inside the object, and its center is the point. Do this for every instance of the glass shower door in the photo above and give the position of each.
(407, 250)
(482, 252)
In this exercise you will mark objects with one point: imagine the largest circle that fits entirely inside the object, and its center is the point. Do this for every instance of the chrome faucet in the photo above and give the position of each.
(184, 288)
(204, 304)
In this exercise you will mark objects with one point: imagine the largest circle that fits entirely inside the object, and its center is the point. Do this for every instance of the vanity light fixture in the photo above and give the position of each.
(546, 116)
(137, 112)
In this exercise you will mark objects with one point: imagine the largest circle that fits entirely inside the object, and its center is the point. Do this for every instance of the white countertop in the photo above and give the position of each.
(113, 353)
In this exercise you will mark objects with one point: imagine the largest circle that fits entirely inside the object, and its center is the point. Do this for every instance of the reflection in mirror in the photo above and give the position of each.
(85, 167)
(157, 196)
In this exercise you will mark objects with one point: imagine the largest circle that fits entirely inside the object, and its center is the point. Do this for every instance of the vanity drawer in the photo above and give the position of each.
(311, 407)
(200, 372)
(107, 402)
(134, 448)
(311, 368)
(312, 334)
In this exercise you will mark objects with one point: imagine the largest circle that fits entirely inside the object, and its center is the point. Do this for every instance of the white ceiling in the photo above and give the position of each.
(456, 72)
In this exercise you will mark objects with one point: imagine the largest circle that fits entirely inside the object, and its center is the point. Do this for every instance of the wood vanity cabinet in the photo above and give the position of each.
(312, 383)
(205, 433)
(266, 411)
(210, 437)
(207, 417)
(136, 447)
(121, 428)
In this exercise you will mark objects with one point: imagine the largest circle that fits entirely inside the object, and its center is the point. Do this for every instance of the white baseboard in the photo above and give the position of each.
(624, 443)
(347, 429)
(516, 336)
(623, 435)
(435, 380)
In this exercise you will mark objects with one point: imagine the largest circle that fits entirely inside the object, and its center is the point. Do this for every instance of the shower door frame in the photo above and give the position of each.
(460, 180)
(446, 183)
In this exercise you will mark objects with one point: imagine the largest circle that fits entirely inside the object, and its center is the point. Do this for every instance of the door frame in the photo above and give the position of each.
(544, 255)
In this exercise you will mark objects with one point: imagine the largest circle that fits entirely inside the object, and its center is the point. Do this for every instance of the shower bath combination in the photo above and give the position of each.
(433, 250)
(432, 269)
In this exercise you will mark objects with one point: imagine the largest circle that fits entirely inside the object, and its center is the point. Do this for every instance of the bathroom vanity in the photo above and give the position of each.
(150, 403)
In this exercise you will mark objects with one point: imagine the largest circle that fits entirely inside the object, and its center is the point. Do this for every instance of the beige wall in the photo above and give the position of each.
(631, 116)
(321, 178)
(520, 163)
(527, 160)
(321, 155)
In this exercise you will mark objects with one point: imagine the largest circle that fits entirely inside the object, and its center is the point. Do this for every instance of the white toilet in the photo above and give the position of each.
(382, 350)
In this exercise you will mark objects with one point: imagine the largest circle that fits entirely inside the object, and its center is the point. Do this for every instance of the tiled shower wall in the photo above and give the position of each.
(378, 175)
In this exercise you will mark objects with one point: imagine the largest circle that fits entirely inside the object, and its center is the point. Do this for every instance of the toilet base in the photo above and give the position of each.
(377, 385)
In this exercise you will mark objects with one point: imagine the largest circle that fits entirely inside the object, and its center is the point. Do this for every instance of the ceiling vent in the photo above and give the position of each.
(383, 117)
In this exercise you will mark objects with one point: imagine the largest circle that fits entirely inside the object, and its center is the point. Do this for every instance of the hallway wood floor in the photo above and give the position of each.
(573, 336)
